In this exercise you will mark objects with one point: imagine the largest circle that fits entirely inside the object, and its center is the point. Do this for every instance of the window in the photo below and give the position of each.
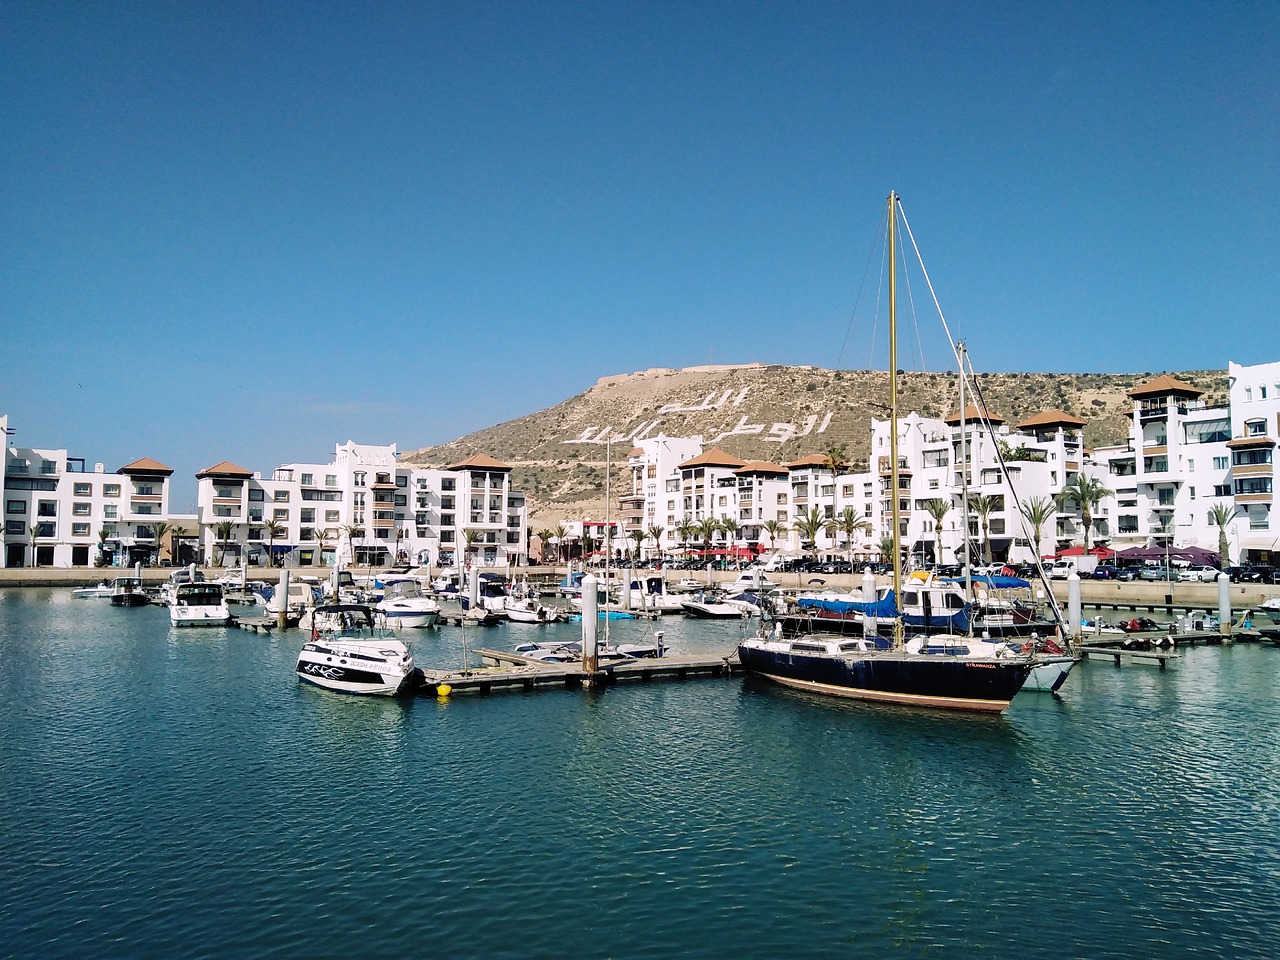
(256, 495)
(402, 480)
(111, 489)
(1192, 492)
(48, 467)
(79, 529)
(280, 515)
(80, 509)
(1222, 490)
(358, 478)
(47, 508)
(15, 506)
(308, 515)
(1221, 463)
(15, 526)
(1253, 485)
(331, 516)
(145, 489)
(1255, 428)
(109, 511)
(282, 496)
(84, 489)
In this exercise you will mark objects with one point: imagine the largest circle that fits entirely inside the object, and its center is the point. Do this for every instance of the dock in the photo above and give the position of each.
(506, 670)
(1122, 656)
(254, 624)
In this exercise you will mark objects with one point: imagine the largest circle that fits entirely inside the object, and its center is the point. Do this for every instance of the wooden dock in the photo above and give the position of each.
(1122, 656)
(507, 670)
(255, 624)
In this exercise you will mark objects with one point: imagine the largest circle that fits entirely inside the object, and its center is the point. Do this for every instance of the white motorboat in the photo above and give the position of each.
(198, 605)
(301, 596)
(102, 591)
(712, 605)
(405, 605)
(128, 592)
(530, 610)
(349, 652)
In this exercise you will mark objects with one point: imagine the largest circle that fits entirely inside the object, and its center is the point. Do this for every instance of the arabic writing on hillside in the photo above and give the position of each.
(776, 432)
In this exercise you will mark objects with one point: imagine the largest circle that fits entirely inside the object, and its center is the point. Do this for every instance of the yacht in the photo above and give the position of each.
(198, 605)
(128, 592)
(349, 652)
(405, 605)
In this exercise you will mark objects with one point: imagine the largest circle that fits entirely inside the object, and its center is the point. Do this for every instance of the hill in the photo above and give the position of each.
(765, 412)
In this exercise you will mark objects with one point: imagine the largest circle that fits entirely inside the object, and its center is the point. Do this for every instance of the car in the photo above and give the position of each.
(1200, 574)
(1104, 571)
(1127, 573)
(1154, 573)
(1257, 573)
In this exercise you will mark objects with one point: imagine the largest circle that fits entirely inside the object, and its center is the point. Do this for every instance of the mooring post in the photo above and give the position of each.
(1224, 608)
(590, 626)
(282, 591)
(1073, 606)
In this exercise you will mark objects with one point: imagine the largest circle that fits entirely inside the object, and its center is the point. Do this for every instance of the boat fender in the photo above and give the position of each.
(443, 690)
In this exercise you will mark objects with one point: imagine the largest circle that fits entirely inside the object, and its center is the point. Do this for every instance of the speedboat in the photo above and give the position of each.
(102, 591)
(128, 592)
(405, 605)
(198, 605)
(529, 610)
(349, 652)
(712, 605)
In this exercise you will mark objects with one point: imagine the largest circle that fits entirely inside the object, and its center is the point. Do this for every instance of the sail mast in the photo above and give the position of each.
(895, 511)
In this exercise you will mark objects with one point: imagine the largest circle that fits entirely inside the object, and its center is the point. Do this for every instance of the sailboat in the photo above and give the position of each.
(956, 673)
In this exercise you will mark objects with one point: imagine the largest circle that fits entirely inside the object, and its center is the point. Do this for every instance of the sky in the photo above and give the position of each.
(251, 231)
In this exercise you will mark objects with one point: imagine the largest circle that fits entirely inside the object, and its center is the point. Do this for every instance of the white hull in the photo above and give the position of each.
(1050, 675)
(347, 666)
(199, 616)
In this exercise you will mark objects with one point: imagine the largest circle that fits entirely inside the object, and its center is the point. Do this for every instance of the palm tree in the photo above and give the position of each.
(561, 535)
(732, 529)
(274, 528)
(103, 534)
(469, 540)
(321, 534)
(158, 532)
(775, 528)
(1220, 516)
(808, 524)
(836, 460)
(546, 535)
(706, 529)
(1038, 512)
(223, 530)
(850, 525)
(686, 529)
(176, 532)
(655, 534)
(887, 547)
(1086, 493)
(638, 537)
(938, 508)
(35, 532)
(982, 504)
(351, 531)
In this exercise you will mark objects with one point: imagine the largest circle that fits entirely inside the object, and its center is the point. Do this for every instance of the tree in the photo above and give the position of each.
(983, 504)
(849, 524)
(223, 530)
(469, 540)
(562, 535)
(938, 508)
(1038, 512)
(176, 532)
(103, 534)
(1086, 493)
(1220, 516)
(35, 532)
(321, 534)
(808, 525)
(706, 529)
(686, 529)
(351, 531)
(546, 535)
(655, 534)
(887, 550)
(159, 532)
(836, 460)
(775, 528)
(274, 528)
(638, 537)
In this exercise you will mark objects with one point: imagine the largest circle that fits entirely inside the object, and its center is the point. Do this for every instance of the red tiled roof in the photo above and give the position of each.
(225, 469)
(146, 465)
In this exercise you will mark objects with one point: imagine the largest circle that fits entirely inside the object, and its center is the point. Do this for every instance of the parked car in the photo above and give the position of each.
(1104, 571)
(1155, 573)
(1127, 573)
(1258, 573)
(1200, 574)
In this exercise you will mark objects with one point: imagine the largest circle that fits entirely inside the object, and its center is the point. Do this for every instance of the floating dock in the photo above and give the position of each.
(507, 670)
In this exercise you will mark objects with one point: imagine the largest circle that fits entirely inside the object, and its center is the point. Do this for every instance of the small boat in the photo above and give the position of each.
(102, 591)
(530, 610)
(405, 605)
(301, 596)
(128, 592)
(349, 652)
(198, 605)
(713, 605)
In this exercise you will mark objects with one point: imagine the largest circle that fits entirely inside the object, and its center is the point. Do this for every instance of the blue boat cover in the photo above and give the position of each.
(997, 582)
(885, 608)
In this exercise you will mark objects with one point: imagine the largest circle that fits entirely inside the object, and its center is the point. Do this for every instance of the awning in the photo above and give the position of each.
(282, 547)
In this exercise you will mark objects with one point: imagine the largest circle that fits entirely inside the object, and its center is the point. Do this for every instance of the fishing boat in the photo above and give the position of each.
(350, 651)
(973, 676)
(195, 604)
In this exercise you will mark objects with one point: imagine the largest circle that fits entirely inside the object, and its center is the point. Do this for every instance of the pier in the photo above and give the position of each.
(506, 670)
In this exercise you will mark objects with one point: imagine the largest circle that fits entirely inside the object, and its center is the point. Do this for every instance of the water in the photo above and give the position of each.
(174, 793)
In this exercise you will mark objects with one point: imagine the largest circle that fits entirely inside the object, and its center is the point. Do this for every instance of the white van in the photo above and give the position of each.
(1061, 569)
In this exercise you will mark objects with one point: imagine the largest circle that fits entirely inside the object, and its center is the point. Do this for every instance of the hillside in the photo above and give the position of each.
(765, 412)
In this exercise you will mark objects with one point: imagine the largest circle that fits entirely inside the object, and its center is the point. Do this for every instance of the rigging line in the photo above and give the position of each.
(929, 283)
(911, 304)
(1023, 522)
(866, 272)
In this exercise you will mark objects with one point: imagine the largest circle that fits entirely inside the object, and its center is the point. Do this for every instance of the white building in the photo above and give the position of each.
(1255, 425)
(363, 508)
(58, 514)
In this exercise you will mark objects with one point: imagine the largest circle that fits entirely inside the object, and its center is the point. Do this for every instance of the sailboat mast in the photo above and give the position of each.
(895, 511)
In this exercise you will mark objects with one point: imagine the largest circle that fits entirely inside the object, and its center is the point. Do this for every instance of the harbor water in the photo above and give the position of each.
(175, 793)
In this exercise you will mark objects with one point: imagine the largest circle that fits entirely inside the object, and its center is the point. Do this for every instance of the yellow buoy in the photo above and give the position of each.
(443, 690)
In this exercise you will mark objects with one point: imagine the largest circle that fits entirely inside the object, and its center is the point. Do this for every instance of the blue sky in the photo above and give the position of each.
(249, 231)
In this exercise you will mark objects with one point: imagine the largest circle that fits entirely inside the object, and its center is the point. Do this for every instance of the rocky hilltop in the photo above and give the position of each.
(765, 412)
